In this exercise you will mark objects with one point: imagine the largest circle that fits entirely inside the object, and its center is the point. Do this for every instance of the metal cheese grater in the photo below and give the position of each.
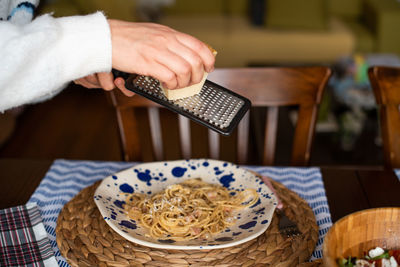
(214, 107)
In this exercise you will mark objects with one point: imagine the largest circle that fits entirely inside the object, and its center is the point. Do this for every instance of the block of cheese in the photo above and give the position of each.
(191, 90)
(185, 91)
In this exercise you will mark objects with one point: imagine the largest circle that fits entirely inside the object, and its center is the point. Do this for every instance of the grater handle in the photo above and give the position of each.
(121, 74)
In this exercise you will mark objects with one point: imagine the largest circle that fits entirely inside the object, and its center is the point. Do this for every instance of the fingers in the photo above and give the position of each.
(201, 49)
(92, 79)
(106, 80)
(175, 59)
(98, 80)
(196, 64)
(166, 76)
(120, 84)
(87, 82)
(178, 65)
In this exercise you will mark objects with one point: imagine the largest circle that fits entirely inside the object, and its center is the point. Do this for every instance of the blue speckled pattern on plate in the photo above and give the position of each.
(150, 178)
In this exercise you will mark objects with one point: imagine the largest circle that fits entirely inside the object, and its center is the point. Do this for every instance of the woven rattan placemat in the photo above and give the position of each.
(85, 239)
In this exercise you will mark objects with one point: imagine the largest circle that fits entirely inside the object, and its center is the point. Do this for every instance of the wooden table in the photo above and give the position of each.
(348, 189)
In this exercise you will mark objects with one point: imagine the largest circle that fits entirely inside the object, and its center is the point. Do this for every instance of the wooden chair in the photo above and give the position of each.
(265, 87)
(385, 82)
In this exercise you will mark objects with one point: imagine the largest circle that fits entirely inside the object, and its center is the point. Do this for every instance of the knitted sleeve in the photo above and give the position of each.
(39, 58)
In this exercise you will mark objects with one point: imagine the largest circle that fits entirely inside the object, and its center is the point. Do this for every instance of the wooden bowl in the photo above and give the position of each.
(358, 232)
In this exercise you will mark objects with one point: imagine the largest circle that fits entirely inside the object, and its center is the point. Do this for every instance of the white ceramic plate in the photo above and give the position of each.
(153, 177)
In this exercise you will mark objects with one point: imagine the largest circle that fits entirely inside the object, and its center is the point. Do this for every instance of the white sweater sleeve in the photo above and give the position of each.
(39, 58)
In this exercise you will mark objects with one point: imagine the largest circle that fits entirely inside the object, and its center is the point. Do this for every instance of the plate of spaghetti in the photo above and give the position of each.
(186, 204)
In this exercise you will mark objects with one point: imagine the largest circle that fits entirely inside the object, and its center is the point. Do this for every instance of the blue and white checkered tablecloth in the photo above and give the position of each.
(66, 178)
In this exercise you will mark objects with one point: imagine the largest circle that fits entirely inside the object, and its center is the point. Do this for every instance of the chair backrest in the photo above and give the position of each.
(265, 87)
(385, 82)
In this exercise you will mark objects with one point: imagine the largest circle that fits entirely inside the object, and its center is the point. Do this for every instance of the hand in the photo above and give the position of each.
(174, 58)
(104, 80)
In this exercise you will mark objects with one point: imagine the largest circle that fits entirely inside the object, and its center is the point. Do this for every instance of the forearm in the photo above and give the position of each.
(39, 58)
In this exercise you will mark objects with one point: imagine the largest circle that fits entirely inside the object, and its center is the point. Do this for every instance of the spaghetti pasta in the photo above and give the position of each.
(188, 210)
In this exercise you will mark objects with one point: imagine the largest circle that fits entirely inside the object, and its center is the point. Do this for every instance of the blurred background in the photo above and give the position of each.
(347, 35)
